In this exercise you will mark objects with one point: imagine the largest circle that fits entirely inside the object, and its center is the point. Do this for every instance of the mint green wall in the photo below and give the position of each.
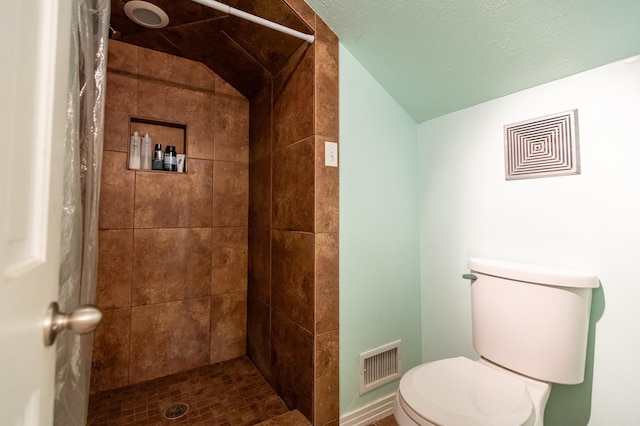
(590, 222)
(379, 262)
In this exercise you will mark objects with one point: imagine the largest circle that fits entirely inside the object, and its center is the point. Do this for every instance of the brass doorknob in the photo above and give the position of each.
(84, 319)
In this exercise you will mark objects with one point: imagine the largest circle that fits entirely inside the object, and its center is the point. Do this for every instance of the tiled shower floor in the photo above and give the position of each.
(229, 393)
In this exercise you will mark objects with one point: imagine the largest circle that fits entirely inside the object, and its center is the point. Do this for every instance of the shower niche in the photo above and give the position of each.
(165, 133)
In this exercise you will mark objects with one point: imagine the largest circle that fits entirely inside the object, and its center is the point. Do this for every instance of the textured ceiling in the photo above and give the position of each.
(244, 54)
(438, 56)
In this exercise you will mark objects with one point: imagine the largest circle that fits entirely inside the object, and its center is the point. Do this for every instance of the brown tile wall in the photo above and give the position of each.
(293, 228)
(272, 286)
(173, 248)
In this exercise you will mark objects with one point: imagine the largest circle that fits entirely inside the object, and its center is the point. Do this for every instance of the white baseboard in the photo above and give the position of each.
(368, 414)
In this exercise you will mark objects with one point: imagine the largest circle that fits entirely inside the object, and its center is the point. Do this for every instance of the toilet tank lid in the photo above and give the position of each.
(538, 274)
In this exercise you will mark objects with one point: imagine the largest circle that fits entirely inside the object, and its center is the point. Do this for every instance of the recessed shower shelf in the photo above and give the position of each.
(162, 132)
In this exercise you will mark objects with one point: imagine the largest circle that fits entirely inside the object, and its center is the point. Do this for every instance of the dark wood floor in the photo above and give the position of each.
(387, 421)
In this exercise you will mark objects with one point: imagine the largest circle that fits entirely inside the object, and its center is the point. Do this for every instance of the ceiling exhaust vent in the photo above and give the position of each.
(146, 14)
(546, 146)
(379, 366)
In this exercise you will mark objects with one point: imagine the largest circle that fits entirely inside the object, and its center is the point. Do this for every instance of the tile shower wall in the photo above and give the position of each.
(172, 274)
(293, 228)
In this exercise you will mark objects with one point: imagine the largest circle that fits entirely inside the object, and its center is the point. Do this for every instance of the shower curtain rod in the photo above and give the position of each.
(253, 18)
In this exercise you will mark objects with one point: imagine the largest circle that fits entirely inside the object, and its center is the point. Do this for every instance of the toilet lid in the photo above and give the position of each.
(462, 392)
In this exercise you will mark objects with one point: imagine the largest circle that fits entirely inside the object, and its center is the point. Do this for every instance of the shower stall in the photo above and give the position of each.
(238, 256)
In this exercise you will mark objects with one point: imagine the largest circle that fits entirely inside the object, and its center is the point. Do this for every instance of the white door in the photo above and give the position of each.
(34, 74)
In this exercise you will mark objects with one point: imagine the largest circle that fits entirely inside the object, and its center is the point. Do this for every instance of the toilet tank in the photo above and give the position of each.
(532, 319)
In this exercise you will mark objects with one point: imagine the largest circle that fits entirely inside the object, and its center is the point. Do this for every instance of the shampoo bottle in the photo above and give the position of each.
(170, 163)
(145, 156)
(134, 152)
(174, 160)
(158, 158)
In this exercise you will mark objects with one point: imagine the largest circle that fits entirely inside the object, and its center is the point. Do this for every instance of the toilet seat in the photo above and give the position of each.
(462, 392)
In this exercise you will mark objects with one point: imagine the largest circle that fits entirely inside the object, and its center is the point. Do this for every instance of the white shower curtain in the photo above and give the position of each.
(82, 168)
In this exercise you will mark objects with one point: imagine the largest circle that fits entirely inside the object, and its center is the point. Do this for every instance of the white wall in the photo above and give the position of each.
(589, 221)
(379, 261)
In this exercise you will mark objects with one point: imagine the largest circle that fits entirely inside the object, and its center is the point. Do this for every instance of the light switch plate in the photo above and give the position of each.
(331, 154)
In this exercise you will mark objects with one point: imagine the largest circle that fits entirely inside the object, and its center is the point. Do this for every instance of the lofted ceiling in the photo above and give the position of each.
(439, 56)
(432, 56)
(243, 53)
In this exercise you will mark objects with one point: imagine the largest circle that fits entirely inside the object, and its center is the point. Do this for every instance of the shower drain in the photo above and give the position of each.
(176, 411)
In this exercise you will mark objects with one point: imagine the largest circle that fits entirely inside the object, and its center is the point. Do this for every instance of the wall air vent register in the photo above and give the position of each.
(379, 366)
(542, 147)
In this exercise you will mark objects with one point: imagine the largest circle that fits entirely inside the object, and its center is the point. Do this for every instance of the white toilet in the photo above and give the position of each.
(530, 327)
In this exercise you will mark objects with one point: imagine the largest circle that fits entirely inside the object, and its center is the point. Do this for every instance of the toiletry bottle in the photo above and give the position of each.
(170, 164)
(145, 156)
(158, 158)
(180, 158)
(174, 159)
(134, 152)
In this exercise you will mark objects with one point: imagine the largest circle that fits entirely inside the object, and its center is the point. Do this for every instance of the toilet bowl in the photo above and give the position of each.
(530, 326)
(462, 392)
